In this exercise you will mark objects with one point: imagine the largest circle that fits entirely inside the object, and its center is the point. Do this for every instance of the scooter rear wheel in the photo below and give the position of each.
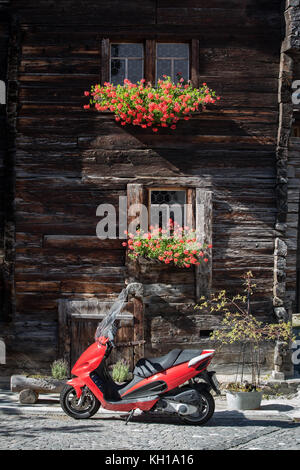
(75, 408)
(205, 412)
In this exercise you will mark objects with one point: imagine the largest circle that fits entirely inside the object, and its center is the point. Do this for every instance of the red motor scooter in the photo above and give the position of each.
(176, 384)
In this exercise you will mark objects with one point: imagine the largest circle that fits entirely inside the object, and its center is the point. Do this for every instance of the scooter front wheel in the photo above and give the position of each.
(205, 411)
(78, 408)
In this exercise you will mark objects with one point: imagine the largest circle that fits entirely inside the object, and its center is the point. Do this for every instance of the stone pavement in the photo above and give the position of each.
(44, 426)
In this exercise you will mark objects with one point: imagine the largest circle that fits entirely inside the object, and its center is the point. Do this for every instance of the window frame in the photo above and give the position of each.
(172, 59)
(150, 57)
(127, 59)
(200, 219)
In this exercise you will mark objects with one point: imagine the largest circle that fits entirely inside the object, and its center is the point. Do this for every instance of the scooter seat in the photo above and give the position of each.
(147, 367)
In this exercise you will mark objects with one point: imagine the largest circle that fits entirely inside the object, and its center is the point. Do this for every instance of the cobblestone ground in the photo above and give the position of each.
(61, 432)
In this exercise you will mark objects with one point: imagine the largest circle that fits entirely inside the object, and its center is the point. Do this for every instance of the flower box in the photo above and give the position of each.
(143, 105)
(173, 246)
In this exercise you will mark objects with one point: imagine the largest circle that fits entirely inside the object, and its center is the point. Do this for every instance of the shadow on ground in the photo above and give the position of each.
(277, 407)
(219, 419)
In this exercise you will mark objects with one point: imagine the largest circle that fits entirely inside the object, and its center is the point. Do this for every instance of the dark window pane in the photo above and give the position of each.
(181, 67)
(168, 197)
(117, 71)
(173, 50)
(163, 67)
(126, 62)
(127, 50)
(162, 200)
(135, 70)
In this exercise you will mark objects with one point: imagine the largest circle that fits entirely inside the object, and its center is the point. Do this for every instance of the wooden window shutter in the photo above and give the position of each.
(204, 235)
(195, 62)
(150, 55)
(136, 194)
(190, 220)
(104, 58)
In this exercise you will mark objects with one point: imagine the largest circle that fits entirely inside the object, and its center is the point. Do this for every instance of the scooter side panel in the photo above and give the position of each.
(174, 376)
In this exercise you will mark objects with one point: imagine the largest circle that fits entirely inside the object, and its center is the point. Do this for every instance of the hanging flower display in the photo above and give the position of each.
(175, 245)
(141, 104)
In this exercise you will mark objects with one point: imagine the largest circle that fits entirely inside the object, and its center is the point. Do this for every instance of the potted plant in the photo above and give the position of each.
(240, 326)
(174, 245)
(120, 372)
(141, 104)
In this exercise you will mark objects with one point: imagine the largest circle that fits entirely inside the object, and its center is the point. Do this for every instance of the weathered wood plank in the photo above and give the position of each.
(204, 233)
(47, 256)
(99, 14)
(104, 60)
(71, 242)
(60, 65)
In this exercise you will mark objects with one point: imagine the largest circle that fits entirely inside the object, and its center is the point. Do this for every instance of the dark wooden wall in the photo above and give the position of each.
(4, 37)
(69, 161)
(292, 238)
(293, 199)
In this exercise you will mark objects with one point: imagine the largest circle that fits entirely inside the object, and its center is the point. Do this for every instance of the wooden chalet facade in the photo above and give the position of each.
(236, 161)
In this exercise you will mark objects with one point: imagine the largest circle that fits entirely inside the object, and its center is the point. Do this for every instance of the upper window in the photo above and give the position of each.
(172, 60)
(126, 61)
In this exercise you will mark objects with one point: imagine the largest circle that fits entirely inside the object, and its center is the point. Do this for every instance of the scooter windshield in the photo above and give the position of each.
(105, 328)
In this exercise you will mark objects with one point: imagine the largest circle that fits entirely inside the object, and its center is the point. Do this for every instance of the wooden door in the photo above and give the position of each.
(82, 330)
(78, 321)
